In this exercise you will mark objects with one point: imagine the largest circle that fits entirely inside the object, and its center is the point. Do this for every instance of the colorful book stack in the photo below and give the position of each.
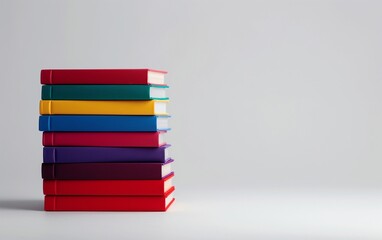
(103, 140)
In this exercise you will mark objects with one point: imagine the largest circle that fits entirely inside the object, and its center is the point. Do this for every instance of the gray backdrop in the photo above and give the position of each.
(265, 95)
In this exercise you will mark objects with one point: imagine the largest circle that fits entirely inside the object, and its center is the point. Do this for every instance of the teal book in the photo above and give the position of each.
(104, 92)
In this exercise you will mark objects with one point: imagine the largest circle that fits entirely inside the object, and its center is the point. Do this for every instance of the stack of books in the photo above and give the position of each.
(103, 140)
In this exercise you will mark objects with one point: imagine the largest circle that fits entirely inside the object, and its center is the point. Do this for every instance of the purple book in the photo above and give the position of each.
(106, 171)
(105, 154)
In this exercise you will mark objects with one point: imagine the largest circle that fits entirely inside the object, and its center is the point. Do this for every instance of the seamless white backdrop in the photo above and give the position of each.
(265, 95)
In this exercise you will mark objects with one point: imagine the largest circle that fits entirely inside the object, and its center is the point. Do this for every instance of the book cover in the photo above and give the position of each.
(104, 139)
(83, 123)
(108, 187)
(78, 107)
(109, 203)
(106, 171)
(105, 154)
(104, 92)
(102, 76)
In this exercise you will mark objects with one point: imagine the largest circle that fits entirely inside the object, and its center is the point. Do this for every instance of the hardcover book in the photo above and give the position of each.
(108, 187)
(77, 107)
(104, 92)
(88, 123)
(105, 154)
(102, 76)
(104, 139)
(109, 203)
(106, 171)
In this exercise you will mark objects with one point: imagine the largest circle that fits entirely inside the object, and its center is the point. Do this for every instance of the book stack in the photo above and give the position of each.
(103, 141)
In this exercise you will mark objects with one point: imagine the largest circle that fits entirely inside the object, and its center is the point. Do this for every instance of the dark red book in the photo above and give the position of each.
(102, 76)
(104, 139)
(106, 171)
(108, 187)
(109, 203)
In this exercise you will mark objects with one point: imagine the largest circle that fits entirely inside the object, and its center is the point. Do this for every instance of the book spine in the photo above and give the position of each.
(104, 203)
(105, 187)
(50, 187)
(47, 92)
(73, 107)
(44, 123)
(49, 155)
(101, 171)
(49, 203)
(86, 123)
(101, 139)
(98, 92)
(92, 76)
(103, 154)
(46, 77)
(46, 107)
(48, 138)
(47, 171)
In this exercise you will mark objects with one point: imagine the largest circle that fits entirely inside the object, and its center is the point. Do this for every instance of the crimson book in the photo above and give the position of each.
(104, 139)
(108, 187)
(109, 203)
(102, 76)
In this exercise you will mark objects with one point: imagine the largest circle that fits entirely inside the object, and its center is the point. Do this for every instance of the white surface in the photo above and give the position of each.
(278, 94)
(236, 214)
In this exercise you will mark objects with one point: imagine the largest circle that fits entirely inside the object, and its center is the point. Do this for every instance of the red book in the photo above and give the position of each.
(108, 187)
(109, 203)
(102, 76)
(104, 139)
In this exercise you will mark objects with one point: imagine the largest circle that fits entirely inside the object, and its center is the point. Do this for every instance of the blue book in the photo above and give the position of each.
(103, 123)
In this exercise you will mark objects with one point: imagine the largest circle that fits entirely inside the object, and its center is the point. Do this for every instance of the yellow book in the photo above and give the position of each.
(76, 107)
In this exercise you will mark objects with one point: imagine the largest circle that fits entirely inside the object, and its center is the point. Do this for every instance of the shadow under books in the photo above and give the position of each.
(22, 204)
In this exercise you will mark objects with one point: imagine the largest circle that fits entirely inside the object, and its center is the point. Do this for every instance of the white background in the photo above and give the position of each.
(276, 114)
